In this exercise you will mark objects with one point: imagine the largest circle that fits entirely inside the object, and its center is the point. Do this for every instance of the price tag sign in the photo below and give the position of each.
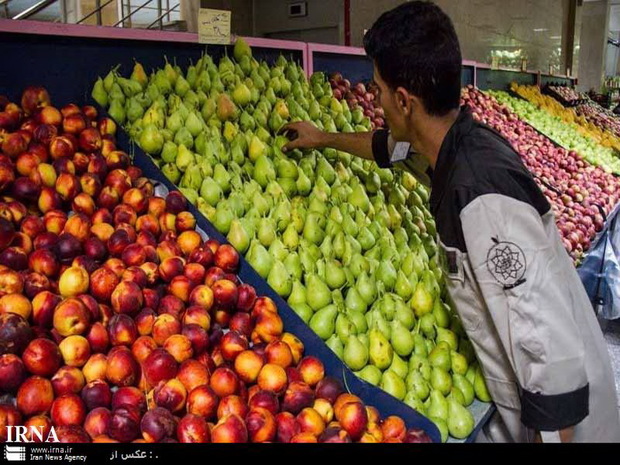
(214, 26)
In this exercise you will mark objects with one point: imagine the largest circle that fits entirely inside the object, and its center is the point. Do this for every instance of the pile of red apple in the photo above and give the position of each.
(120, 323)
(576, 190)
(359, 95)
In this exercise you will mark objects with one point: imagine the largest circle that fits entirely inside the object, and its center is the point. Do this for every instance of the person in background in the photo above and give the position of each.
(509, 277)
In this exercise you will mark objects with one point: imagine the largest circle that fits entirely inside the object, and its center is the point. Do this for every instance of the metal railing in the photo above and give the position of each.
(161, 13)
(127, 12)
(33, 10)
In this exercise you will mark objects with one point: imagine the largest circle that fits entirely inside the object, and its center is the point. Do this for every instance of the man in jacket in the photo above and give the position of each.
(513, 285)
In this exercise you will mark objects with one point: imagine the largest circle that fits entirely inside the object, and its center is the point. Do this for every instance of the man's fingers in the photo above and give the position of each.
(292, 145)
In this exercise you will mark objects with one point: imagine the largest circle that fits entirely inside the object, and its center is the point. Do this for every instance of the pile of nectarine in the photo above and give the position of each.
(120, 323)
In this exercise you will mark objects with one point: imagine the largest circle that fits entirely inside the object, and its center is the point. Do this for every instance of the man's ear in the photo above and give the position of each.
(404, 100)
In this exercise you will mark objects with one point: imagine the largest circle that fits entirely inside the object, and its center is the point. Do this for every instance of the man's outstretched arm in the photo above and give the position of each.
(309, 136)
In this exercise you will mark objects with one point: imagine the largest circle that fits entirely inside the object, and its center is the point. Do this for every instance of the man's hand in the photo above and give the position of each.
(308, 136)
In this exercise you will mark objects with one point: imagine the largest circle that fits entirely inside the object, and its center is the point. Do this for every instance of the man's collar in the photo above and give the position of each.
(447, 155)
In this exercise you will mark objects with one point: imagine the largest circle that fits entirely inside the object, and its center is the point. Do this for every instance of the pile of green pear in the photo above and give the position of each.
(350, 246)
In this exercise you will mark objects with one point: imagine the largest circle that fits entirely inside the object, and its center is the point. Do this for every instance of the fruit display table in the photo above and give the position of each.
(386, 404)
(69, 65)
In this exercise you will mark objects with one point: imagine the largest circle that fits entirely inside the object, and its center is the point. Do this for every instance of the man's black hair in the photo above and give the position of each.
(416, 47)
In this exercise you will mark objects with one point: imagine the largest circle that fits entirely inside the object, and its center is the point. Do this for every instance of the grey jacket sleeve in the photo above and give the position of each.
(524, 285)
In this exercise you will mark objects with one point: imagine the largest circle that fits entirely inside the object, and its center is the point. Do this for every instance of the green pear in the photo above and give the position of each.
(420, 345)
(439, 357)
(404, 315)
(151, 140)
(266, 231)
(415, 382)
(280, 280)
(441, 313)
(278, 251)
(427, 325)
(181, 86)
(460, 420)
(335, 344)
(260, 260)
(241, 95)
(184, 137)
(480, 386)
(437, 406)
(222, 177)
(358, 319)
(193, 124)
(335, 277)
(422, 301)
(117, 111)
(223, 217)
(447, 336)
(421, 364)
(355, 302)
(471, 372)
(441, 380)
(442, 426)
(116, 93)
(399, 366)
(318, 293)
(457, 395)
(370, 374)
(402, 286)
(323, 322)
(171, 172)
(256, 149)
(185, 158)
(345, 328)
(458, 362)
(381, 351)
(298, 294)
(169, 152)
(238, 236)
(211, 192)
(466, 388)
(412, 401)
(393, 385)
(241, 49)
(99, 93)
(355, 353)
(401, 339)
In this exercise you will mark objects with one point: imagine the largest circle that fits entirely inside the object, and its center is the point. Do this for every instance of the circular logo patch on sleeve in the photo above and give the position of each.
(506, 262)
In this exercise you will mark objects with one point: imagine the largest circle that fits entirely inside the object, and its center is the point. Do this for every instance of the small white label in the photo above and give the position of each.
(401, 151)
